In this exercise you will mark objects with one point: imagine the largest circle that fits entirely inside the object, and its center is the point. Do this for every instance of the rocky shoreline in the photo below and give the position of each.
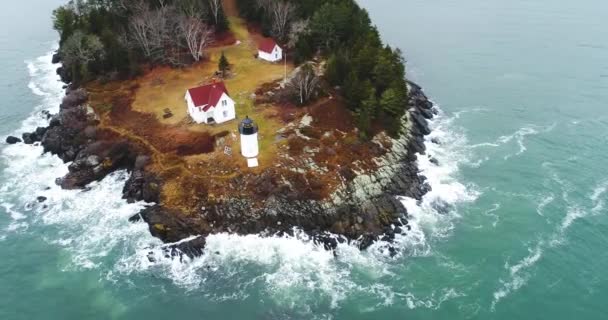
(361, 211)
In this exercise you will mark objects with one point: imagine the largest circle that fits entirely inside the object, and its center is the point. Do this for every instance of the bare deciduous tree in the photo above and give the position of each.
(305, 83)
(281, 12)
(82, 49)
(298, 28)
(215, 6)
(196, 34)
(138, 27)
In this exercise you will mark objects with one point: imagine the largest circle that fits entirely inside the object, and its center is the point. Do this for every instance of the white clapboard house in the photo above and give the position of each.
(210, 104)
(269, 50)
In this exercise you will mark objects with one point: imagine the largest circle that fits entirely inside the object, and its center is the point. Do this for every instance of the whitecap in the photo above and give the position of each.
(543, 203)
(491, 212)
(599, 191)
(517, 276)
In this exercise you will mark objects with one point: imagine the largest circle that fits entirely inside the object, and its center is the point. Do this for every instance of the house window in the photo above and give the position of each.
(225, 113)
(224, 103)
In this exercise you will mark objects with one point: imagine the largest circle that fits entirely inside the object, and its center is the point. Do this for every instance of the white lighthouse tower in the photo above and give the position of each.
(249, 138)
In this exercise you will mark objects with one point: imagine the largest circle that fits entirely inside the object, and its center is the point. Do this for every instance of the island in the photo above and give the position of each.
(171, 90)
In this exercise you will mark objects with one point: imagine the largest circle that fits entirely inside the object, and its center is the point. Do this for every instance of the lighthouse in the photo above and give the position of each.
(249, 138)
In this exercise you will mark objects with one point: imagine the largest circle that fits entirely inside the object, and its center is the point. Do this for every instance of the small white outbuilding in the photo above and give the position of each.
(210, 104)
(269, 50)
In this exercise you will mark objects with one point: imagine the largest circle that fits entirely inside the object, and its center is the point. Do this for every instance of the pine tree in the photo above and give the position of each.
(223, 65)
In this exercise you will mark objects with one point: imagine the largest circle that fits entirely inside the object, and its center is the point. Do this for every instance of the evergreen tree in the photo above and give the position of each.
(367, 110)
(223, 65)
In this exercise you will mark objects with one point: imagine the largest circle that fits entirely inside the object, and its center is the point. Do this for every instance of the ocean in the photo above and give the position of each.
(514, 228)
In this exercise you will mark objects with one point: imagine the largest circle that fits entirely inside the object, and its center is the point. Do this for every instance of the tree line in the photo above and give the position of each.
(370, 75)
(115, 37)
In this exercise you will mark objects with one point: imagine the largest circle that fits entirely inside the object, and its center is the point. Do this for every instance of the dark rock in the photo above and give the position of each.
(392, 251)
(56, 58)
(434, 161)
(12, 140)
(151, 257)
(436, 141)
(28, 138)
(97, 161)
(55, 121)
(135, 218)
(366, 241)
(64, 74)
(329, 241)
(142, 186)
(40, 131)
(427, 105)
(41, 199)
(426, 113)
(46, 114)
(192, 248)
(74, 98)
(171, 226)
(421, 122)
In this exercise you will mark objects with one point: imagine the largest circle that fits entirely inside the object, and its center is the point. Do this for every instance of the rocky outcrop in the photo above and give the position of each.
(96, 161)
(362, 210)
(142, 185)
(71, 135)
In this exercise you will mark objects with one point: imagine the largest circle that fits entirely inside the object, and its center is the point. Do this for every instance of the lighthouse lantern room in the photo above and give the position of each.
(249, 138)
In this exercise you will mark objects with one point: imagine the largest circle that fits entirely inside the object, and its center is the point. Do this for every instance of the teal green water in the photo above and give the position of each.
(522, 86)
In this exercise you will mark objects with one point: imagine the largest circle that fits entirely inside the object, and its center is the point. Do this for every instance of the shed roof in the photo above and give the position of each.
(267, 45)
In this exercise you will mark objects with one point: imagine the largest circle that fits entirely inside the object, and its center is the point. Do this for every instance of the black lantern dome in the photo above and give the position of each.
(248, 127)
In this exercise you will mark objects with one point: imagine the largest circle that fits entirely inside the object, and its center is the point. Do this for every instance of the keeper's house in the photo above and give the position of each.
(210, 104)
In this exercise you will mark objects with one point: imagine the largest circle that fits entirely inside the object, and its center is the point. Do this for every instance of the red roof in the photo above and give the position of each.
(267, 45)
(207, 96)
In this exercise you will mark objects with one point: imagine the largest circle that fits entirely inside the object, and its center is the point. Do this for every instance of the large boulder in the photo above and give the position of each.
(142, 186)
(421, 122)
(28, 138)
(96, 161)
(56, 58)
(64, 74)
(12, 140)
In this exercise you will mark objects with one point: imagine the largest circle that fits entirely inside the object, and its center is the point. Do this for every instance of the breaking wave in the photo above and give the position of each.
(92, 225)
